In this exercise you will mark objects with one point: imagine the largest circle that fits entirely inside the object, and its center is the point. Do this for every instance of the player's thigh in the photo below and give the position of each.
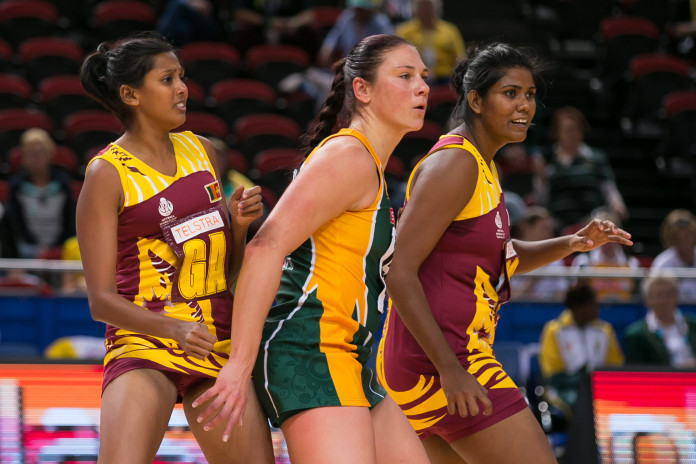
(250, 443)
(135, 410)
(335, 434)
(440, 452)
(395, 439)
(516, 439)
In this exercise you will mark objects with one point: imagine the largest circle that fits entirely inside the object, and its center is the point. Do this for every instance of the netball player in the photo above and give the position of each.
(322, 254)
(160, 251)
(450, 274)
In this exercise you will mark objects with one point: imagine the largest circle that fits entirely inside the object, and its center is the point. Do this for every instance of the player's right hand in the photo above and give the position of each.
(194, 339)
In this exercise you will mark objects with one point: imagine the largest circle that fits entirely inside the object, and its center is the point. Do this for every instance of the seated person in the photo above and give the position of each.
(41, 211)
(576, 178)
(536, 224)
(609, 255)
(665, 336)
(360, 19)
(439, 42)
(678, 234)
(577, 341)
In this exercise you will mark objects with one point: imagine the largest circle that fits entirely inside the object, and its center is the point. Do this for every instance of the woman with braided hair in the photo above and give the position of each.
(328, 243)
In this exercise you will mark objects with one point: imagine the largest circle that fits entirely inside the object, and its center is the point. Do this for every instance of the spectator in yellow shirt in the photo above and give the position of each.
(439, 42)
(575, 343)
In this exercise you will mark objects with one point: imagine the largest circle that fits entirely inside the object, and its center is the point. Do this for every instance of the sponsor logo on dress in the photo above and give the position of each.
(197, 226)
(500, 233)
(165, 207)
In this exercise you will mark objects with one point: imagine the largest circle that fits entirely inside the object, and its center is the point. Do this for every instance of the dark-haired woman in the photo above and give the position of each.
(328, 243)
(450, 273)
(160, 251)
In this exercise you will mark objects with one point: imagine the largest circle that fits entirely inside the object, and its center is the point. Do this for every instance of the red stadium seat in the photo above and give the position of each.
(24, 19)
(209, 62)
(13, 122)
(235, 98)
(44, 57)
(258, 132)
(272, 63)
(114, 19)
(87, 129)
(63, 95)
(204, 124)
(15, 92)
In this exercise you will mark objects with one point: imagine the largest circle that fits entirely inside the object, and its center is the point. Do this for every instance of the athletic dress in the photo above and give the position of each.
(465, 279)
(174, 245)
(317, 338)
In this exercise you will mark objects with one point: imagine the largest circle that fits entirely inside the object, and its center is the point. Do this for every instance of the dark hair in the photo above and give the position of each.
(362, 61)
(485, 65)
(569, 112)
(123, 63)
(580, 294)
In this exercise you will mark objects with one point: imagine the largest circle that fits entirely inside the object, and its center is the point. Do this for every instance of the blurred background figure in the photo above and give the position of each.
(41, 210)
(574, 179)
(666, 335)
(575, 343)
(360, 19)
(681, 27)
(72, 282)
(185, 21)
(439, 42)
(536, 224)
(269, 21)
(678, 235)
(610, 255)
(76, 347)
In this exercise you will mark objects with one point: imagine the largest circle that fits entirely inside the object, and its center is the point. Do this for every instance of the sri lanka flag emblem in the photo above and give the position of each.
(213, 190)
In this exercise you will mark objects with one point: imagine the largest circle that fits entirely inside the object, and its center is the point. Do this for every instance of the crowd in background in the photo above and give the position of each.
(553, 184)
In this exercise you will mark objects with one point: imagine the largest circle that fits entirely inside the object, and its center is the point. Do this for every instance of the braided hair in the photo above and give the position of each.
(338, 108)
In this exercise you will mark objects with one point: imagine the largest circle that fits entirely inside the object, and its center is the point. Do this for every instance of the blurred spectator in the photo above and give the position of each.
(681, 27)
(269, 21)
(536, 224)
(72, 282)
(575, 343)
(361, 18)
(609, 255)
(185, 21)
(76, 347)
(439, 42)
(397, 10)
(678, 234)
(576, 178)
(41, 210)
(516, 170)
(665, 335)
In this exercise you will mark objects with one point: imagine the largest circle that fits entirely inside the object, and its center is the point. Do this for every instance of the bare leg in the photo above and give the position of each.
(396, 440)
(517, 439)
(335, 434)
(440, 452)
(135, 410)
(250, 443)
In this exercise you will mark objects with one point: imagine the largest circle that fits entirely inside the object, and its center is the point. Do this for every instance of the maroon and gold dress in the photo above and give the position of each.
(465, 279)
(174, 244)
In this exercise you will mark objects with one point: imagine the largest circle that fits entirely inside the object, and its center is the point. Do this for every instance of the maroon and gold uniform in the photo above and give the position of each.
(174, 245)
(465, 279)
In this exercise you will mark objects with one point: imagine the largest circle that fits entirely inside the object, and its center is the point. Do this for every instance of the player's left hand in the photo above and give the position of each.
(245, 205)
(596, 234)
